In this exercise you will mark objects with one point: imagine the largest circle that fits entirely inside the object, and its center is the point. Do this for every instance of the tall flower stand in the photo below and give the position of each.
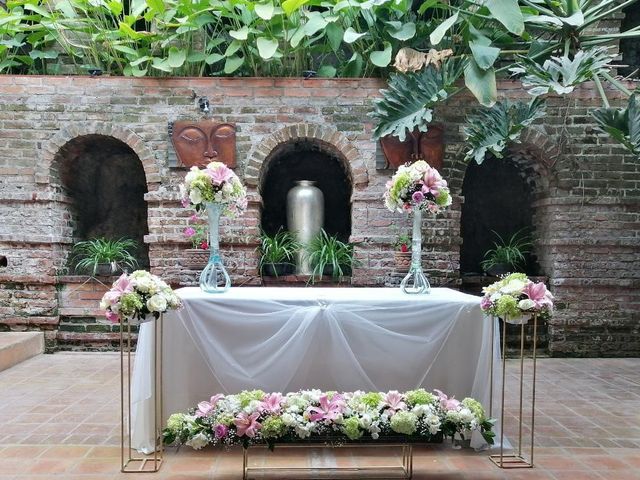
(516, 460)
(415, 281)
(131, 463)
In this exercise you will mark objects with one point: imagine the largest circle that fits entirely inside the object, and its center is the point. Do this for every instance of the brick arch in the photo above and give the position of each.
(46, 171)
(536, 154)
(324, 135)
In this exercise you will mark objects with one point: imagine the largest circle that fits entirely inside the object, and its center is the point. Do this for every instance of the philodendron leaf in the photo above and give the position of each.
(334, 34)
(213, 58)
(290, 6)
(328, 71)
(482, 83)
(508, 13)
(350, 35)
(436, 36)
(265, 10)
(176, 57)
(406, 32)
(485, 56)
(267, 47)
(241, 34)
(354, 66)
(623, 124)
(382, 58)
(232, 64)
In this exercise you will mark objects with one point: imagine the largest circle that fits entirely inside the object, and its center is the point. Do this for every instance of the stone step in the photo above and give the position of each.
(16, 347)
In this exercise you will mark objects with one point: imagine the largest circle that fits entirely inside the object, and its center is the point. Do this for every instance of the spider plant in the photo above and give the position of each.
(90, 255)
(277, 251)
(508, 254)
(327, 253)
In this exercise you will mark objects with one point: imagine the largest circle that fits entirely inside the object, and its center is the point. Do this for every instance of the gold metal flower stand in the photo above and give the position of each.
(130, 461)
(516, 460)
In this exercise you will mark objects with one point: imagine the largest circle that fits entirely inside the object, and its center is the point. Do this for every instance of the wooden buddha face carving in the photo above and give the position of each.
(200, 143)
(428, 146)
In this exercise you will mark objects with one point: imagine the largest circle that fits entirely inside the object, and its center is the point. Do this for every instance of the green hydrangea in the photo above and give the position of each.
(226, 420)
(442, 200)
(514, 276)
(351, 428)
(404, 422)
(176, 422)
(476, 408)
(507, 306)
(371, 399)
(273, 427)
(420, 397)
(130, 303)
(202, 183)
(247, 396)
(402, 182)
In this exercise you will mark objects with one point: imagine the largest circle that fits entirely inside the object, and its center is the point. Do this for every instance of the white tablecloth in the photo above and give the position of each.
(286, 339)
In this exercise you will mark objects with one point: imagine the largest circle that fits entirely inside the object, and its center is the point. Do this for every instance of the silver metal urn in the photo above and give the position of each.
(305, 218)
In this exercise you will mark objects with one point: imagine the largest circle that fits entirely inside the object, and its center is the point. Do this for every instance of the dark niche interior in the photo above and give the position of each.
(630, 47)
(106, 181)
(304, 160)
(497, 198)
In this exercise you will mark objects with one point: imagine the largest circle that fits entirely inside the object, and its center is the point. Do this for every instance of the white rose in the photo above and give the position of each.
(195, 196)
(144, 284)
(288, 419)
(157, 303)
(526, 304)
(191, 176)
(198, 441)
(514, 286)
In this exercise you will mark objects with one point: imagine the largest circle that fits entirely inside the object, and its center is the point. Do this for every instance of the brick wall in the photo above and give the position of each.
(586, 207)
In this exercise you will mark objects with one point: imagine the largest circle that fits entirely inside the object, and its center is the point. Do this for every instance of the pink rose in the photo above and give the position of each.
(189, 232)
(417, 197)
(221, 431)
(485, 303)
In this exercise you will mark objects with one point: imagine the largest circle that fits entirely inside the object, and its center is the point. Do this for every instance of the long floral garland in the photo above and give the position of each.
(254, 417)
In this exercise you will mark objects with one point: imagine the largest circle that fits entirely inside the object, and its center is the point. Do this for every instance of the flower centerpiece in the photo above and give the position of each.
(137, 295)
(514, 298)
(255, 417)
(413, 189)
(219, 191)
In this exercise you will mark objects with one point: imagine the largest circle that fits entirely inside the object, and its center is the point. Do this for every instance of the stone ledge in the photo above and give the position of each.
(16, 347)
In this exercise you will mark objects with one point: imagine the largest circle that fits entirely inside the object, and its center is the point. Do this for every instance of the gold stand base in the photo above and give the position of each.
(141, 465)
(510, 461)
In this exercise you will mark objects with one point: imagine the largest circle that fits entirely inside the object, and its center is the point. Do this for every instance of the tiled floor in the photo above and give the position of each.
(59, 419)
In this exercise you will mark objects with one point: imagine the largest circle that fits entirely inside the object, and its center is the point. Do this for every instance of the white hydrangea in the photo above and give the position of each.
(198, 441)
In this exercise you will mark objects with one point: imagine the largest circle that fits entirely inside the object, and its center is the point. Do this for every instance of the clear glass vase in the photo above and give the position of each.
(214, 278)
(416, 281)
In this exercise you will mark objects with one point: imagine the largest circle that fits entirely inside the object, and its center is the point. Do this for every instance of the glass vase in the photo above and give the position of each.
(416, 281)
(214, 278)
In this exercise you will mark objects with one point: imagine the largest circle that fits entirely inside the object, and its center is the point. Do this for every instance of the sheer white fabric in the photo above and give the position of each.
(286, 339)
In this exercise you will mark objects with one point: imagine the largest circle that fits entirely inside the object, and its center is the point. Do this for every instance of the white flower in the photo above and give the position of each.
(197, 441)
(514, 286)
(191, 176)
(303, 431)
(157, 303)
(288, 419)
(526, 304)
(195, 196)
(144, 284)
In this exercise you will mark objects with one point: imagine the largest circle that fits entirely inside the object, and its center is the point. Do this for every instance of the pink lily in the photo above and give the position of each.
(393, 401)
(247, 424)
(204, 408)
(432, 182)
(112, 316)
(446, 402)
(220, 175)
(328, 410)
(123, 285)
(271, 403)
(538, 294)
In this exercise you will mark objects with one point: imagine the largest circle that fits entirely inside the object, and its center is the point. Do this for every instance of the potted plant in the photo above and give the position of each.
(402, 253)
(198, 234)
(508, 255)
(277, 253)
(101, 256)
(329, 256)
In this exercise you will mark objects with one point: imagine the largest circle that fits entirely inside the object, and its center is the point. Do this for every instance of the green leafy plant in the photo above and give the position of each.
(623, 124)
(327, 252)
(510, 252)
(491, 129)
(279, 248)
(89, 255)
(403, 243)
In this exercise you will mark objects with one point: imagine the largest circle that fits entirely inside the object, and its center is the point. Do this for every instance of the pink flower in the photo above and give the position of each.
(328, 410)
(433, 182)
(221, 431)
(185, 202)
(393, 400)
(485, 303)
(193, 218)
(220, 175)
(417, 197)
(123, 285)
(446, 402)
(189, 232)
(538, 294)
(247, 424)
(271, 403)
(204, 408)
(111, 316)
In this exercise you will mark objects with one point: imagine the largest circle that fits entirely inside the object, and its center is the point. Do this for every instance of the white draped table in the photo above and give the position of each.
(286, 339)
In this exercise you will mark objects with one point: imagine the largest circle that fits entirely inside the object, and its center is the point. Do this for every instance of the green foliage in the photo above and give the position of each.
(326, 251)
(510, 251)
(278, 248)
(89, 254)
(623, 124)
(490, 129)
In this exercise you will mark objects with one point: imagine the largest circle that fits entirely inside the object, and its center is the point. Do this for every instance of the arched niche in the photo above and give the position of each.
(105, 182)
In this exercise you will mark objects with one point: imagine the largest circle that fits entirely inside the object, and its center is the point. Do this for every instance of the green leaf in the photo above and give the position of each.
(135, 71)
(232, 48)
(265, 10)
(7, 63)
(328, 71)
(482, 83)
(381, 58)
(125, 49)
(68, 11)
(353, 68)
(232, 64)
(194, 57)
(484, 56)
(436, 36)
(290, 6)
(161, 64)
(241, 34)
(508, 13)
(405, 32)
(176, 57)
(623, 124)
(350, 35)
(315, 23)
(129, 32)
(267, 47)
(427, 5)
(334, 34)
(35, 54)
(297, 37)
(157, 5)
(213, 58)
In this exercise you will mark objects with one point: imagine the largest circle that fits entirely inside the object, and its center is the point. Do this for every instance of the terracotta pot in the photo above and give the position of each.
(402, 260)
(195, 258)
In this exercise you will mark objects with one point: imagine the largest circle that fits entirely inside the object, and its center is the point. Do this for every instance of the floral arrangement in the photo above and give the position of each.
(138, 295)
(254, 417)
(515, 295)
(197, 232)
(417, 186)
(214, 184)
